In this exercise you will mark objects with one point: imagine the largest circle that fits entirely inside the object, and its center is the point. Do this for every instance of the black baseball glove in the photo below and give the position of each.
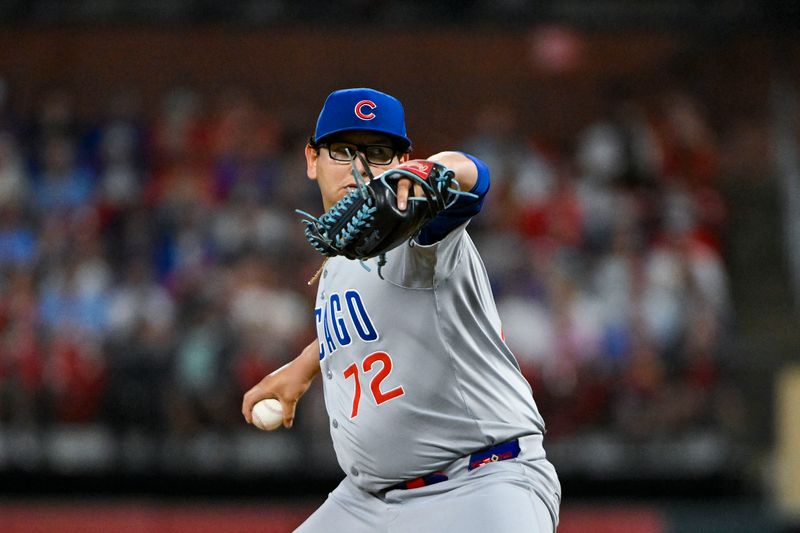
(367, 222)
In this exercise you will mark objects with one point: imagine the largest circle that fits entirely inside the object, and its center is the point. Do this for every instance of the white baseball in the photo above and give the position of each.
(268, 414)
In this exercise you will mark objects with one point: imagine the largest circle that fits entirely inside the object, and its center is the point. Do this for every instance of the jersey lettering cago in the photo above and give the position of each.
(335, 322)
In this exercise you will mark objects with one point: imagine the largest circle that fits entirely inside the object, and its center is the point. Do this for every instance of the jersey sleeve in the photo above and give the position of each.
(457, 214)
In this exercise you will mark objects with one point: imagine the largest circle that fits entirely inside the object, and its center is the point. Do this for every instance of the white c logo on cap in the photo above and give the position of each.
(365, 103)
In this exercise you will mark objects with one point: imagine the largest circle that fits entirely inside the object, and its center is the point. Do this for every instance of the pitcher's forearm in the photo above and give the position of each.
(306, 365)
(466, 172)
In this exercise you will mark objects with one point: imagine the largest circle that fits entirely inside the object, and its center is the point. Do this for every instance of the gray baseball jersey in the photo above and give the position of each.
(416, 373)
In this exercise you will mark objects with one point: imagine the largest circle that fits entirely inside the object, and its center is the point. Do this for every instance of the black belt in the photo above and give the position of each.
(500, 452)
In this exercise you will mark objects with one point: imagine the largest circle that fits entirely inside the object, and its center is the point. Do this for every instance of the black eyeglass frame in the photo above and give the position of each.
(361, 148)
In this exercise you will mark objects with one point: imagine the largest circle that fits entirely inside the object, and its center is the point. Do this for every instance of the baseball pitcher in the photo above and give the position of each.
(432, 422)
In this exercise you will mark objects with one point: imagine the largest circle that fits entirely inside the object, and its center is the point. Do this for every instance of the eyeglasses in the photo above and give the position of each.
(377, 154)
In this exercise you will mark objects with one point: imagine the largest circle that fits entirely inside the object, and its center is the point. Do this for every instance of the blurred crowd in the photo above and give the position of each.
(608, 269)
(152, 268)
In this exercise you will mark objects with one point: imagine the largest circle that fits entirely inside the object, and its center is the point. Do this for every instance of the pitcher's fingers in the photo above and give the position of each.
(288, 413)
(247, 409)
(403, 187)
(251, 398)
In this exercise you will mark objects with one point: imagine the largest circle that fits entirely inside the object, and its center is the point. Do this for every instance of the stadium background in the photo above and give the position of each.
(642, 237)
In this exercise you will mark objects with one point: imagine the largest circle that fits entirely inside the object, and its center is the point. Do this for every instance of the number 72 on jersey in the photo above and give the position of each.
(356, 372)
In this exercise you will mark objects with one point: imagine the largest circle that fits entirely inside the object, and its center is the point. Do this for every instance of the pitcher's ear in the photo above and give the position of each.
(312, 156)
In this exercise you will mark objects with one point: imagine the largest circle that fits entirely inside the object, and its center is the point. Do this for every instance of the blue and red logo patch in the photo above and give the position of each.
(359, 109)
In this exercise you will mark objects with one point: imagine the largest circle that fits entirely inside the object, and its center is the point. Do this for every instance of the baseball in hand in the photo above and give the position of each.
(268, 414)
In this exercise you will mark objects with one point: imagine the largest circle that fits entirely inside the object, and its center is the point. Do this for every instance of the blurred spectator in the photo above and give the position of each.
(140, 344)
(75, 296)
(179, 130)
(139, 302)
(120, 178)
(55, 116)
(14, 185)
(247, 149)
(688, 144)
(499, 141)
(248, 225)
(22, 401)
(260, 307)
(62, 186)
(200, 394)
(76, 376)
(620, 149)
(75, 289)
(18, 240)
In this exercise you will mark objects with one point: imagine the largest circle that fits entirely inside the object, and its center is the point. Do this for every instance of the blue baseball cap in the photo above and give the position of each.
(363, 110)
